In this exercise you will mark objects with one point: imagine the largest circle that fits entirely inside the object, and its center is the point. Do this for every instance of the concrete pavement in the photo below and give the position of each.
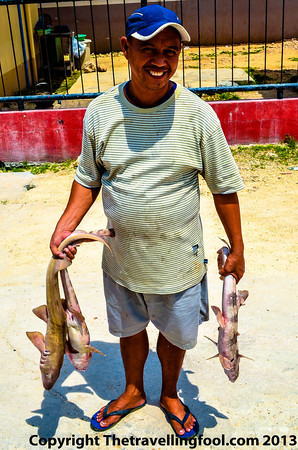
(260, 405)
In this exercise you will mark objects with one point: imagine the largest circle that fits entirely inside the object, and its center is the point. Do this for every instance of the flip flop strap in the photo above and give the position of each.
(173, 417)
(119, 412)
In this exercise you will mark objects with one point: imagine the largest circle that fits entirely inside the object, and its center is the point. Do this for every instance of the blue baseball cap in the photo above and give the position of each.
(150, 20)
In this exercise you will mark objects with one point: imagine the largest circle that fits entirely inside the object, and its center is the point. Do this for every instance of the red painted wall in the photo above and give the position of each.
(41, 135)
(258, 121)
(56, 134)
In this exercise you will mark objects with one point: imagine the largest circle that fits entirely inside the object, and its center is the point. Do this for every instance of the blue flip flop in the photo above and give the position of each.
(95, 425)
(188, 434)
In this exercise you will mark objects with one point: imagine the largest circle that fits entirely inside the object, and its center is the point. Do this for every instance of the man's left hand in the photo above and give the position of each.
(234, 265)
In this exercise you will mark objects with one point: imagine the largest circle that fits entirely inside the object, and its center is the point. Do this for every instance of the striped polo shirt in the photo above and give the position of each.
(147, 162)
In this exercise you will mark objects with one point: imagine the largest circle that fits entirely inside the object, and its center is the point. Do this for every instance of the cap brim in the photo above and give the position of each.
(181, 30)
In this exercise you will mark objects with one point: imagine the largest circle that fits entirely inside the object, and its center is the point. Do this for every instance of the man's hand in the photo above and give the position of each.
(56, 240)
(234, 265)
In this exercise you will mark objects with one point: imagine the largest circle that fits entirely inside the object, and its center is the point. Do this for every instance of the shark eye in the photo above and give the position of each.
(231, 360)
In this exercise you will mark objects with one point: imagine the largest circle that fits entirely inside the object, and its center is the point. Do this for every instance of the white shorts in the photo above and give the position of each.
(176, 316)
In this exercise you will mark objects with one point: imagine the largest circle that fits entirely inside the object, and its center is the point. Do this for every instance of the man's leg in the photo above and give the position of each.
(171, 359)
(134, 352)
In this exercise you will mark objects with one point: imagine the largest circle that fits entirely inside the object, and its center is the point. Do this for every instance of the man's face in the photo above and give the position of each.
(153, 62)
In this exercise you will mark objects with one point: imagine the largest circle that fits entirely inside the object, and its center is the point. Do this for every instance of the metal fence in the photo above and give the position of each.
(43, 85)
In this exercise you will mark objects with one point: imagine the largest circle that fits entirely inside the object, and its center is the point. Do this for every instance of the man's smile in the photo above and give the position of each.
(156, 73)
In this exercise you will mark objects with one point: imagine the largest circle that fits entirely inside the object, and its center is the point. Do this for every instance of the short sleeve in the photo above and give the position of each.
(88, 173)
(219, 168)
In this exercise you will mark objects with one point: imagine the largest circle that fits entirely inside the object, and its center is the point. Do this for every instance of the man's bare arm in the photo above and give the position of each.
(228, 210)
(80, 201)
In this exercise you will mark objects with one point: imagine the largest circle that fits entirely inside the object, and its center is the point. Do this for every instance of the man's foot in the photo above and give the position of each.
(124, 404)
(174, 407)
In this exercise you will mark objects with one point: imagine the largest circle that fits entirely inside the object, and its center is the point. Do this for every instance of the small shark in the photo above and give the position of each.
(66, 330)
(227, 319)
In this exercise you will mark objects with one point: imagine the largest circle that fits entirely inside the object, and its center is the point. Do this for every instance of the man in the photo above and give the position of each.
(145, 142)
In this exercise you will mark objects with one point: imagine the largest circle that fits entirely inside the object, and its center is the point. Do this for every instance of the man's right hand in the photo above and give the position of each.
(56, 240)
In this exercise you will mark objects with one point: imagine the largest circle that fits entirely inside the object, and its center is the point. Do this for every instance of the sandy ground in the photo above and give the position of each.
(261, 403)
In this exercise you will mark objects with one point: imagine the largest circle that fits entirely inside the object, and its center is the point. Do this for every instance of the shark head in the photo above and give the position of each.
(80, 360)
(230, 367)
(50, 364)
(49, 372)
(49, 379)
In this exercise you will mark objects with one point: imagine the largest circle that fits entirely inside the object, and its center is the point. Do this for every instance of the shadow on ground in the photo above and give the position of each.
(105, 378)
